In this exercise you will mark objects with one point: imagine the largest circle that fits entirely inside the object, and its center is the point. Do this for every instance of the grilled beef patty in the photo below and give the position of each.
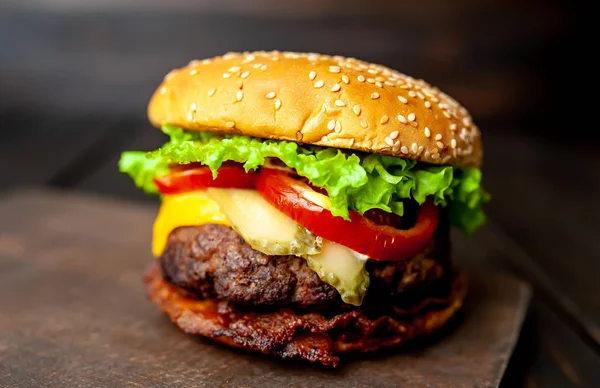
(213, 261)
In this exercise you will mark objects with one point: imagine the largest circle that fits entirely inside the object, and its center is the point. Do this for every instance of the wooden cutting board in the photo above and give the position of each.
(73, 312)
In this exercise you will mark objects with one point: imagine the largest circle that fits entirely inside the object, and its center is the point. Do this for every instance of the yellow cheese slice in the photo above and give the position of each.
(186, 209)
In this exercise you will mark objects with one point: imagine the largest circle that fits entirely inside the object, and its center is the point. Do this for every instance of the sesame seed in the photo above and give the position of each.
(414, 124)
(239, 95)
(336, 88)
(230, 124)
(446, 114)
(163, 90)
(403, 100)
(324, 138)
(234, 69)
(352, 141)
(374, 96)
(363, 124)
(319, 84)
(170, 75)
(411, 117)
(384, 119)
(453, 143)
(257, 65)
(389, 141)
(356, 109)
(312, 75)
(427, 104)
(427, 132)
(412, 93)
(372, 71)
(338, 126)
(263, 67)
(404, 150)
(270, 95)
(339, 103)
(245, 74)
(226, 75)
(396, 146)
(394, 134)
(331, 125)
(440, 144)
(193, 106)
(277, 104)
(414, 148)
(438, 136)
(193, 72)
(212, 92)
(402, 119)
(420, 149)
(435, 151)
(379, 84)
(435, 156)
(361, 78)
(389, 83)
(334, 69)
(371, 80)
(420, 95)
(346, 80)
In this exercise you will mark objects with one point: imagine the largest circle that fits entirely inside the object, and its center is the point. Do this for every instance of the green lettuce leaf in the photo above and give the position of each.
(142, 169)
(353, 180)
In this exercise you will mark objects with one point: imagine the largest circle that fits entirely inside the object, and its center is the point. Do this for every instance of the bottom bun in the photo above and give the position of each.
(309, 336)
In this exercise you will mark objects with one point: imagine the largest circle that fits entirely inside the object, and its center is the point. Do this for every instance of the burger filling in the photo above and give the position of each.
(266, 222)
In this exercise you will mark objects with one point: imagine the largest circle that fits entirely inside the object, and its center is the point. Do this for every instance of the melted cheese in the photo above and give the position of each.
(186, 209)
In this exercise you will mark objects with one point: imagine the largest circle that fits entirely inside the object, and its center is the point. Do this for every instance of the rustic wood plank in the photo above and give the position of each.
(74, 313)
(108, 180)
(545, 197)
(37, 150)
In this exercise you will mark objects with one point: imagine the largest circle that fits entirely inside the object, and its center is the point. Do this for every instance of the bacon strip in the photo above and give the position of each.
(311, 336)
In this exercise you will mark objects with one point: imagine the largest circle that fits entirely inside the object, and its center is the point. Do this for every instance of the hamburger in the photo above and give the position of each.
(306, 203)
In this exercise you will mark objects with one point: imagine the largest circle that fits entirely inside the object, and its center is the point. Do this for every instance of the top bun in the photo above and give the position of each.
(317, 99)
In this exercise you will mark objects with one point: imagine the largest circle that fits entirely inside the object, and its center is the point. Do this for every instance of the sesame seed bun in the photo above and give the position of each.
(317, 99)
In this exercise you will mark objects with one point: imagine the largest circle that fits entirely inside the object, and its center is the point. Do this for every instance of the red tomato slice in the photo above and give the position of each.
(196, 178)
(380, 242)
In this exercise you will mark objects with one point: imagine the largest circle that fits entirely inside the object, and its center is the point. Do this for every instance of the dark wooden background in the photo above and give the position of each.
(75, 78)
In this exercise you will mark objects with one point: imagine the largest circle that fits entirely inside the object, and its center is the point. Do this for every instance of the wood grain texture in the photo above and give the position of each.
(74, 314)
(35, 150)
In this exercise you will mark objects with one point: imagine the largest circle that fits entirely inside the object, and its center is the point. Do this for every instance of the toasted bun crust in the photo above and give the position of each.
(318, 99)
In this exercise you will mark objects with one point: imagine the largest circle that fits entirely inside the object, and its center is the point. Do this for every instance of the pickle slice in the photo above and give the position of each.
(262, 226)
(343, 269)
